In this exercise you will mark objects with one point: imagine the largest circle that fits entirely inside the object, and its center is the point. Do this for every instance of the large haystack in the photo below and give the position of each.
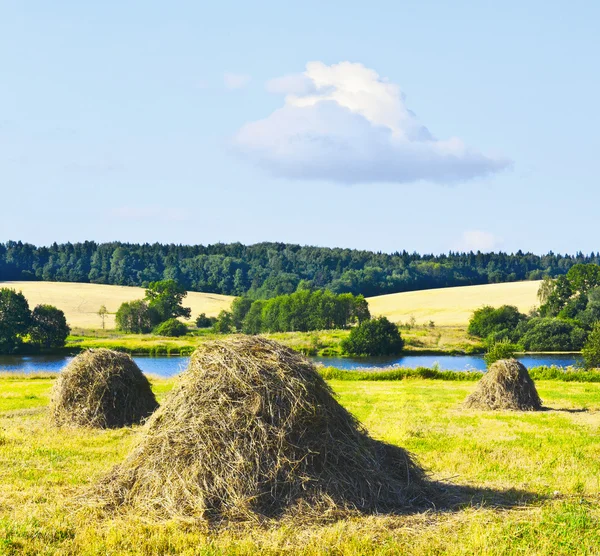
(103, 389)
(507, 385)
(251, 430)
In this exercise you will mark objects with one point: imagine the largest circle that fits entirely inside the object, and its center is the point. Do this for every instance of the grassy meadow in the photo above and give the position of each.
(453, 306)
(528, 483)
(443, 339)
(80, 302)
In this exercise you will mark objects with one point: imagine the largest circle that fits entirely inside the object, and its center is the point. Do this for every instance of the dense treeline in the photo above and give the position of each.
(569, 311)
(301, 311)
(266, 270)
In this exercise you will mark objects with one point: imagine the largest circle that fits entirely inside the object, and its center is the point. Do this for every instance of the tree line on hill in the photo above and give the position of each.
(267, 270)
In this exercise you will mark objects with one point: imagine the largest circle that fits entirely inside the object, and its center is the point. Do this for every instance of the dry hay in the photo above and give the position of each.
(506, 385)
(101, 388)
(252, 431)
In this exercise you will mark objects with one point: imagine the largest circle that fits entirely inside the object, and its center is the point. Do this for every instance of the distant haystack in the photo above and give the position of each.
(103, 389)
(507, 385)
(250, 431)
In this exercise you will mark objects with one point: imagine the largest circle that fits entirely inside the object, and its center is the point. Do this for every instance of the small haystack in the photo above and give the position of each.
(103, 389)
(506, 385)
(252, 431)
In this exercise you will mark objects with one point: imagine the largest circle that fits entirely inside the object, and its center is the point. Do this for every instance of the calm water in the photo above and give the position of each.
(169, 366)
(445, 362)
(162, 366)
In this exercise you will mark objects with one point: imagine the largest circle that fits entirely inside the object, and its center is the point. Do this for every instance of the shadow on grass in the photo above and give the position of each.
(565, 410)
(448, 497)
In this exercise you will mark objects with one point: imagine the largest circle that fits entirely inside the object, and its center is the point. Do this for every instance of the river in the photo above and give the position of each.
(170, 366)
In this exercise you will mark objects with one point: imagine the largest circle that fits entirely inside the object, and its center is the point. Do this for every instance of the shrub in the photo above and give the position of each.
(500, 322)
(591, 350)
(499, 350)
(224, 323)
(552, 334)
(172, 328)
(374, 337)
(49, 328)
(205, 322)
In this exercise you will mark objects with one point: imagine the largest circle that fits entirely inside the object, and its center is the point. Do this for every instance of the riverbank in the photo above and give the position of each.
(423, 340)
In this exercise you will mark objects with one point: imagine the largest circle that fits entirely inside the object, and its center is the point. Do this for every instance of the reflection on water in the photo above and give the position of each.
(169, 366)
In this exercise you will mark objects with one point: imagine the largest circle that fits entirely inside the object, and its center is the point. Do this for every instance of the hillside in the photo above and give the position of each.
(81, 302)
(268, 269)
(453, 306)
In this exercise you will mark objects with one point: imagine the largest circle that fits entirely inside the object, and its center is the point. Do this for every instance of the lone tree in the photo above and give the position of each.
(102, 313)
(49, 328)
(165, 299)
(15, 318)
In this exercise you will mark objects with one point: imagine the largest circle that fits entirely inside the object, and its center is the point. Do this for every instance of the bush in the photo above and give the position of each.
(135, 317)
(500, 322)
(374, 337)
(205, 322)
(552, 334)
(499, 350)
(591, 350)
(49, 328)
(172, 328)
(224, 323)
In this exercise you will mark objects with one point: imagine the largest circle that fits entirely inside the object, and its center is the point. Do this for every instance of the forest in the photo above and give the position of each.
(266, 270)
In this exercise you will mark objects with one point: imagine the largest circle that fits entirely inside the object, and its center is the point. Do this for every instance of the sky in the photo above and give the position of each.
(420, 126)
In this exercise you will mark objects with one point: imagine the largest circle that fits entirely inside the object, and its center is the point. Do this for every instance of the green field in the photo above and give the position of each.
(529, 482)
(446, 339)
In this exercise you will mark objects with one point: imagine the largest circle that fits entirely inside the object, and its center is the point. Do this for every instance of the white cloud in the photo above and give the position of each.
(346, 124)
(236, 80)
(478, 240)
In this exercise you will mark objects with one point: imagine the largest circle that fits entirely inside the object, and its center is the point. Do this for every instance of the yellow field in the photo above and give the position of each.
(81, 302)
(453, 306)
(445, 306)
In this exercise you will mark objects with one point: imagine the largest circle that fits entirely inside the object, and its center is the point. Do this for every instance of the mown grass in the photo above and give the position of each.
(538, 475)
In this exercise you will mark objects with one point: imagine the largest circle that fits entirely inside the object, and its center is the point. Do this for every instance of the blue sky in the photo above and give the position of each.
(424, 126)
